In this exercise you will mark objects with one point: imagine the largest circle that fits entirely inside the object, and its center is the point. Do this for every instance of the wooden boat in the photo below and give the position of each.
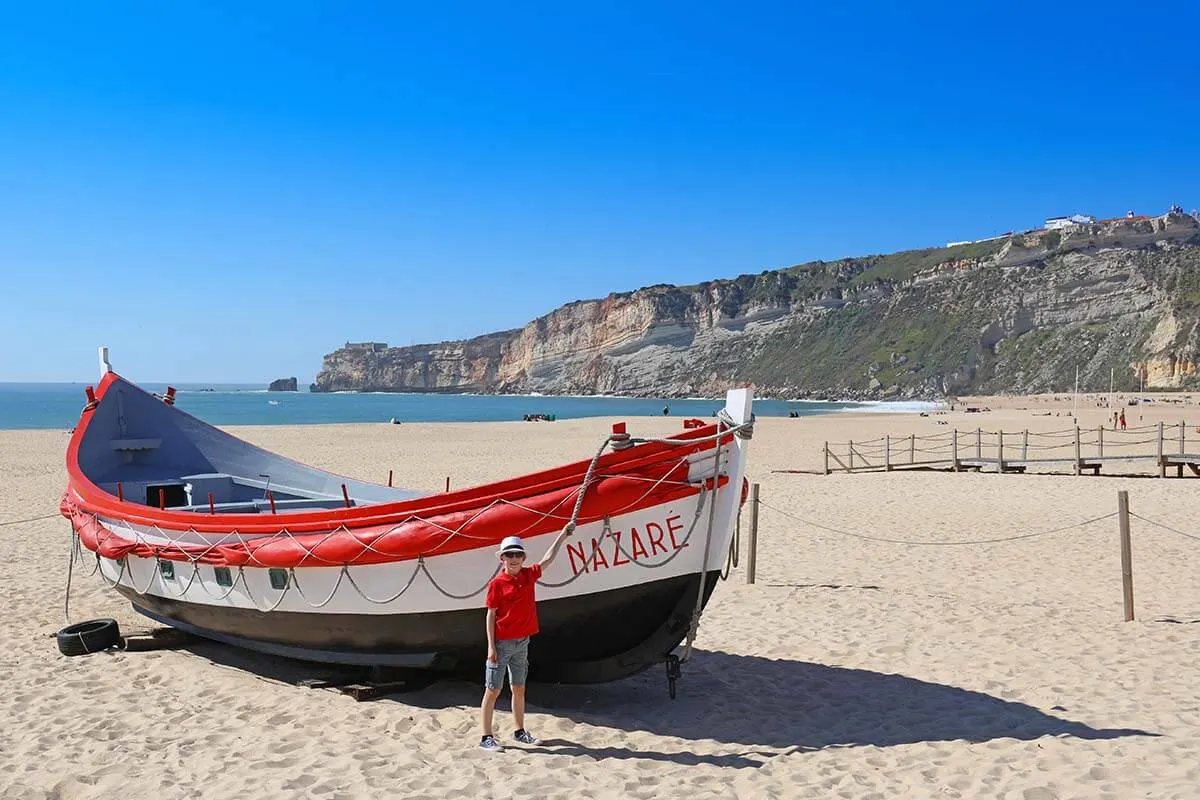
(207, 533)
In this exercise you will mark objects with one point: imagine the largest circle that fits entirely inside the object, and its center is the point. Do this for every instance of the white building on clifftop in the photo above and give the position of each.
(370, 347)
(1058, 223)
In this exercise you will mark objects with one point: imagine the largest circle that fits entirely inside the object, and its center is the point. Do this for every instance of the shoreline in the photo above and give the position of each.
(871, 408)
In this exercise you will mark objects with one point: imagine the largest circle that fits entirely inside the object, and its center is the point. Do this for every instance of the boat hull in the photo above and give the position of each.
(587, 638)
(210, 534)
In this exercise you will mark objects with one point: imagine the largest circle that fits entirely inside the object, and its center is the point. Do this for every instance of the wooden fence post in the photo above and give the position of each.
(826, 458)
(954, 448)
(752, 549)
(978, 444)
(1162, 465)
(851, 456)
(1182, 436)
(1126, 553)
(887, 453)
(1000, 452)
(1078, 464)
(1100, 441)
(912, 448)
(1025, 445)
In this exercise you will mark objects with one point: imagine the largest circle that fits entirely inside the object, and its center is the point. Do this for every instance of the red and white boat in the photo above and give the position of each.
(207, 533)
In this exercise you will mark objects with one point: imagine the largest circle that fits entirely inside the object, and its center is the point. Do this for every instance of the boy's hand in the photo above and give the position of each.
(567, 530)
(492, 657)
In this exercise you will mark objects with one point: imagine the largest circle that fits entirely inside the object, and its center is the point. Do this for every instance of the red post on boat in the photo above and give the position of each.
(345, 495)
(162, 499)
(211, 508)
(447, 483)
(91, 398)
(620, 437)
(120, 492)
(271, 497)
(389, 478)
(170, 398)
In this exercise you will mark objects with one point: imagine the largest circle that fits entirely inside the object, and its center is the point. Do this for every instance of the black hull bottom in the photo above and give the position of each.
(586, 639)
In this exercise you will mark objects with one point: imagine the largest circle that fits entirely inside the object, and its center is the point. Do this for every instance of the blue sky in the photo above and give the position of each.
(226, 191)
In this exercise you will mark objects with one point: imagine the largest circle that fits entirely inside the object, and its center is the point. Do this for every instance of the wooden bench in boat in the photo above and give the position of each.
(263, 506)
(191, 493)
(221, 485)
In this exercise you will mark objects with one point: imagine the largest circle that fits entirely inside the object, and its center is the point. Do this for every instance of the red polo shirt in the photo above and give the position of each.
(512, 597)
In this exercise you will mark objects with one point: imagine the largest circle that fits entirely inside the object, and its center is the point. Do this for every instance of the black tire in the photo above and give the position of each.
(89, 637)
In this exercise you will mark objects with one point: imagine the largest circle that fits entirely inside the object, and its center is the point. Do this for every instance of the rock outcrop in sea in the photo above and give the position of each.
(283, 385)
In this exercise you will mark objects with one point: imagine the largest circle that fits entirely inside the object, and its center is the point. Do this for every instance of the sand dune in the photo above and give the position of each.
(851, 669)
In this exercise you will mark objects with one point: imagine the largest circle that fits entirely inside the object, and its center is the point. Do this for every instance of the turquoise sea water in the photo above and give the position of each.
(57, 405)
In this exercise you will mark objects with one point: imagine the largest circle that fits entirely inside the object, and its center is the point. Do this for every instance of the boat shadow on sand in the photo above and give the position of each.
(744, 700)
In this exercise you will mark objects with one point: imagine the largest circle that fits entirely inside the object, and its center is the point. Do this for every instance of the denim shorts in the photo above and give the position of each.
(513, 655)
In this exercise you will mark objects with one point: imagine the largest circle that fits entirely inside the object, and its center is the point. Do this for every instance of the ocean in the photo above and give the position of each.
(57, 405)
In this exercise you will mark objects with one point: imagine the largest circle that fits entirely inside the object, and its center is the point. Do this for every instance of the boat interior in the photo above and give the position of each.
(147, 451)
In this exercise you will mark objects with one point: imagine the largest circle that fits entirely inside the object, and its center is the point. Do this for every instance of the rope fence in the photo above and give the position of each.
(30, 519)
(1015, 451)
(929, 543)
(1122, 514)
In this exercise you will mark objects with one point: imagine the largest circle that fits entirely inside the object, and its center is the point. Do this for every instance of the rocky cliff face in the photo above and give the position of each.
(1014, 314)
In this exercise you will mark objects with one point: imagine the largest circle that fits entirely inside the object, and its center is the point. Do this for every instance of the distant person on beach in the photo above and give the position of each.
(511, 620)
(1122, 419)
(666, 410)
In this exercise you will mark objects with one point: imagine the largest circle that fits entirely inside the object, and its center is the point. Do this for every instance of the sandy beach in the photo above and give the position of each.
(853, 668)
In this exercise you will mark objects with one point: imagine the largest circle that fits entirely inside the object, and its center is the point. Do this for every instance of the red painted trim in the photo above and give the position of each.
(405, 541)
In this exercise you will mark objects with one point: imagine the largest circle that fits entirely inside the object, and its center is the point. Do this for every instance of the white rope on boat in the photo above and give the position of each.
(694, 625)
(70, 566)
(369, 599)
(436, 585)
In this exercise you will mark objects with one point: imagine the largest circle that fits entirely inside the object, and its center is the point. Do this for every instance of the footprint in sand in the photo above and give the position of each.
(401, 726)
(301, 782)
(328, 787)
(283, 747)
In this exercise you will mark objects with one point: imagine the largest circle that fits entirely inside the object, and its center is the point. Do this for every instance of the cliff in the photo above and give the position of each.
(1015, 314)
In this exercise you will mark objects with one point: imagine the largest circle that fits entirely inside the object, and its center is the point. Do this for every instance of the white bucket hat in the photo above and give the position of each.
(512, 544)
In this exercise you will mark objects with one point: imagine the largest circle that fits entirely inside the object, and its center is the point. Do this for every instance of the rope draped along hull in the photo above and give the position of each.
(207, 533)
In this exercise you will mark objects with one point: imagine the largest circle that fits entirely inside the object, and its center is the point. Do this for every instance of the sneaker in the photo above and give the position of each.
(490, 744)
(525, 737)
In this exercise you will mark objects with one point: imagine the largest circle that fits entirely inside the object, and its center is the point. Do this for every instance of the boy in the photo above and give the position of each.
(511, 620)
